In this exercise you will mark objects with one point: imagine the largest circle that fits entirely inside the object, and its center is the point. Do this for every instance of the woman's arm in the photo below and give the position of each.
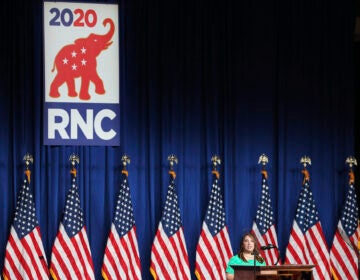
(229, 276)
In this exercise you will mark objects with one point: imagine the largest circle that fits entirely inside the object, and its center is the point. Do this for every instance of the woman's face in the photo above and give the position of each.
(248, 244)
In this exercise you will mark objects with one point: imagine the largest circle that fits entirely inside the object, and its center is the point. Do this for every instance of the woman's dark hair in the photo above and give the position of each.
(256, 253)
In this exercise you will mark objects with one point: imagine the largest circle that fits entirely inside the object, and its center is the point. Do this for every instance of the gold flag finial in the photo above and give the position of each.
(305, 160)
(263, 160)
(125, 159)
(351, 161)
(172, 160)
(74, 159)
(28, 159)
(215, 159)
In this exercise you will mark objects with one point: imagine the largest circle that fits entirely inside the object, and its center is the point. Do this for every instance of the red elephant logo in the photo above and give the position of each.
(79, 60)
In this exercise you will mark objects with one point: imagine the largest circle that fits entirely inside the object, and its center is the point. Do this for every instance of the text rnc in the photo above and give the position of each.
(68, 125)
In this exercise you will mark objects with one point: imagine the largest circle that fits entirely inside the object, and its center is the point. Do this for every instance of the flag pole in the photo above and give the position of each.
(264, 160)
(351, 161)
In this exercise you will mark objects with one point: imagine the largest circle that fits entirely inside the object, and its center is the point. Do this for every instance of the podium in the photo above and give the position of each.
(273, 272)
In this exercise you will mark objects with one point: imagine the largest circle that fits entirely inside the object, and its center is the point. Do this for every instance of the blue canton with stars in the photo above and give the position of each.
(25, 217)
(215, 214)
(73, 216)
(124, 216)
(264, 214)
(306, 212)
(349, 217)
(171, 218)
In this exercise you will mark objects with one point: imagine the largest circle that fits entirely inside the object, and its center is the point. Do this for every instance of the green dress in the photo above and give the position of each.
(236, 260)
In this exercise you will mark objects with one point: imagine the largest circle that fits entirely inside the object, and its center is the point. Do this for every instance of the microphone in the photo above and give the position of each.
(267, 247)
(271, 246)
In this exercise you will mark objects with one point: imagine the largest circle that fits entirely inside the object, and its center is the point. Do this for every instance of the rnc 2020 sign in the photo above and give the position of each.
(81, 73)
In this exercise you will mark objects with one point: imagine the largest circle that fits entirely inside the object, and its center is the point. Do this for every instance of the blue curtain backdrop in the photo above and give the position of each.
(198, 78)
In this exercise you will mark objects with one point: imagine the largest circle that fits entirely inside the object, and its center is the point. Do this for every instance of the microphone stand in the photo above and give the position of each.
(278, 257)
(255, 254)
(270, 246)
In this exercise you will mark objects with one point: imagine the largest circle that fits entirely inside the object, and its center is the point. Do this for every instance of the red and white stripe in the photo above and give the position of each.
(270, 237)
(309, 248)
(25, 258)
(121, 258)
(212, 254)
(343, 254)
(169, 258)
(71, 257)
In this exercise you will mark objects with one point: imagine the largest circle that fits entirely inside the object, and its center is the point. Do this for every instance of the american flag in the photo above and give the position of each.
(71, 255)
(121, 258)
(214, 248)
(307, 243)
(169, 258)
(344, 252)
(264, 224)
(25, 256)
